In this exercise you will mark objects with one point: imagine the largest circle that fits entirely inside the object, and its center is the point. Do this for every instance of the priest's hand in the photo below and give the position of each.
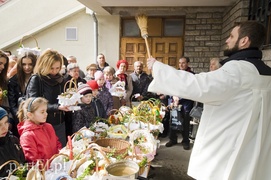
(150, 62)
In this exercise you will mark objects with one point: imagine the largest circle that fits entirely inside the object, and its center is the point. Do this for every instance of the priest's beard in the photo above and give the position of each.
(228, 52)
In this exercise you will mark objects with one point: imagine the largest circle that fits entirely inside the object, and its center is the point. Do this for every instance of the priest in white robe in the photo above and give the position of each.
(233, 141)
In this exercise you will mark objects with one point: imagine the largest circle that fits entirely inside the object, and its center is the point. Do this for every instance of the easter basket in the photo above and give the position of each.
(22, 49)
(116, 117)
(37, 171)
(114, 146)
(99, 127)
(117, 132)
(70, 97)
(118, 89)
(58, 167)
(92, 157)
(13, 167)
(143, 144)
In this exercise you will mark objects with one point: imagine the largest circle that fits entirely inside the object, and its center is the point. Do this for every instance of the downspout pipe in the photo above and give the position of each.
(95, 32)
(95, 35)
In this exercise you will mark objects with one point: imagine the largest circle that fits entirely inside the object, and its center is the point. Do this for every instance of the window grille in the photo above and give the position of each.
(260, 10)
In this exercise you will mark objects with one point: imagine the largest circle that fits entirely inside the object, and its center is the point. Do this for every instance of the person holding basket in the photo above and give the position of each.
(48, 83)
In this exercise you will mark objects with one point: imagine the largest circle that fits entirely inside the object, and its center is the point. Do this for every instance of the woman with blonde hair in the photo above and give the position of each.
(48, 83)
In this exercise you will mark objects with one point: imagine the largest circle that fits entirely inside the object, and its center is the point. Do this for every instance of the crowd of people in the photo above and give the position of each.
(32, 106)
(34, 112)
(31, 112)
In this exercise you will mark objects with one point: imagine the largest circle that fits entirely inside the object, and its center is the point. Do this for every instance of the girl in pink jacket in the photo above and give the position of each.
(38, 138)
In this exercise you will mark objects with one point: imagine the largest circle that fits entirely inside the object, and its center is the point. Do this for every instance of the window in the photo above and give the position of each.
(260, 10)
(157, 27)
(130, 28)
(173, 27)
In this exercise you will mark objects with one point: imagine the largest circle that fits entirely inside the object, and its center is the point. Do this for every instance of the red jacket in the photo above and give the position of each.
(38, 141)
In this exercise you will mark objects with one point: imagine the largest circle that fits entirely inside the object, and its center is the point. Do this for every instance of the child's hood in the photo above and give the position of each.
(27, 126)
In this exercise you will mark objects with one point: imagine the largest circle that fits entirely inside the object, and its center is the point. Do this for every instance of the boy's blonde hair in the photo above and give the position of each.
(30, 105)
(46, 61)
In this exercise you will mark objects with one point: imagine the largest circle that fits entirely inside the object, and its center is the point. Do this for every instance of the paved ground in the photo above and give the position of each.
(171, 163)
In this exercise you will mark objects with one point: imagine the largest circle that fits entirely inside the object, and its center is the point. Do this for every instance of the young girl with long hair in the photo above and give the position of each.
(38, 138)
(17, 85)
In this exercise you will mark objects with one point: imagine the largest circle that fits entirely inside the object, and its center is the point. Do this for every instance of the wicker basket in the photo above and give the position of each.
(70, 96)
(116, 146)
(73, 171)
(22, 49)
(13, 162)
(116, 117)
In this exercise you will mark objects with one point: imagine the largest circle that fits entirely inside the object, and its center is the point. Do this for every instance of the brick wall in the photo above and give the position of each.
(206, 30)
(238, 12)
(203, 36)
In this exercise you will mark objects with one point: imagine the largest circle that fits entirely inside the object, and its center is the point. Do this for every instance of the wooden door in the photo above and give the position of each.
(134, 49)
(165, 49)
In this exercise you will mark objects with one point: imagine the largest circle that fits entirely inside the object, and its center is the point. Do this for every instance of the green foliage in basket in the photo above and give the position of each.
(125, 118)
(5, 93)
(88, 171)
(143, 162)
(111, 153)
(122, 156)
(78, 137)
(92, 126)
(140, 139)
(21, 172)
(66, 159)
(155, 133)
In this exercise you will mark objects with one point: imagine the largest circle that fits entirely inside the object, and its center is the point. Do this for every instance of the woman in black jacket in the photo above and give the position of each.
(10, 148)
(48, 83)
(17, 85)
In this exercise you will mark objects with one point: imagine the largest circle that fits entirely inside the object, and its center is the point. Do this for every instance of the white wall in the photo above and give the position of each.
(83, 49)
(22, 17)
(109, 38)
